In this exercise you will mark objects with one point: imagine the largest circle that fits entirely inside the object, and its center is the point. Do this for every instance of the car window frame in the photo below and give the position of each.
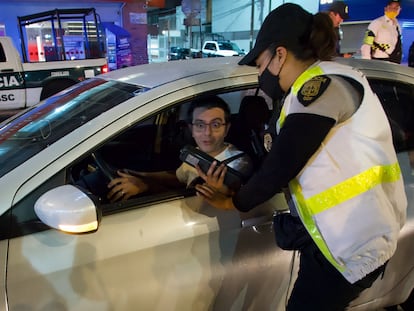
(31, 224)
(403, 137)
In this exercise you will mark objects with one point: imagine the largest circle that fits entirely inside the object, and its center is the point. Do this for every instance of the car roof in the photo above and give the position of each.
(156, 74)
(380, 69)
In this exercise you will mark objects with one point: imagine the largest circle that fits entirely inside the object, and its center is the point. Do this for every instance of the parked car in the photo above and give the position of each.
(221, 48)
(165, 250)
(177, 53)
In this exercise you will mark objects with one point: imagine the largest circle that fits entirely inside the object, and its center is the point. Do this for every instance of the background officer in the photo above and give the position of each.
(338, 12)
(383, 37)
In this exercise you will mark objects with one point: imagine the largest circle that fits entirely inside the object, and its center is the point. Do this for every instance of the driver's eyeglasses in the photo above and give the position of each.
(201, 126)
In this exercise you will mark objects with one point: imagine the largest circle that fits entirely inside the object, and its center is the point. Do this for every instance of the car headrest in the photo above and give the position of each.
(254, 111)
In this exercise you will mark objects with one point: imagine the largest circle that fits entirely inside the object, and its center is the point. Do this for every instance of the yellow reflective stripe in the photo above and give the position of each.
(346, 190)
(353, 187)
(369, 39)
(282, 117)
(305, 76)
(307, 219)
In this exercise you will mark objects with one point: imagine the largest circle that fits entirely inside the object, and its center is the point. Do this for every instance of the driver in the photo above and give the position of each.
(209, 122)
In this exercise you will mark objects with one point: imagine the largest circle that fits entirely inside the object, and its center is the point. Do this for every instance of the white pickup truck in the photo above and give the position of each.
(220, 49)
(45, 69)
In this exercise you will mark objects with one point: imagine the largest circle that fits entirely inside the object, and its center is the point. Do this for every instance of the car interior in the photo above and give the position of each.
(396, 99)
(154, 145)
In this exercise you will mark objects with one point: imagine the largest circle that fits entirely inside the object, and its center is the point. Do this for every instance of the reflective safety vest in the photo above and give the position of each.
(350, 194)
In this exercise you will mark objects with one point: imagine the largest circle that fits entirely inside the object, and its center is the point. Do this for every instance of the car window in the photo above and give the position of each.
(149, 145)
(2, 54)
(30, 133)
(398, 101)
(152, 145)
(210, 46)
(225, 46)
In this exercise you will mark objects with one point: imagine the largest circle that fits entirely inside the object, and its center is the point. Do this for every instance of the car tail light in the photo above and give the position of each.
(104, 68)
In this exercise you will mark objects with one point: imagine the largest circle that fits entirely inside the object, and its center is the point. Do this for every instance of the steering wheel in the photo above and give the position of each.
(108, 171)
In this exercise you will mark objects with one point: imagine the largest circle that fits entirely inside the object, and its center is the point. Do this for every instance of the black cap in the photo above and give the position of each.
(341, 8)
(287, 24)
(394, 1)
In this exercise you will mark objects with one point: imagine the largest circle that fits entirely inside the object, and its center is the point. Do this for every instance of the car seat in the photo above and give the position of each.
(246, 131)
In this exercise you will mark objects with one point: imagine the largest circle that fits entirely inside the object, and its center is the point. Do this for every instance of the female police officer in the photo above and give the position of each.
(334, 150)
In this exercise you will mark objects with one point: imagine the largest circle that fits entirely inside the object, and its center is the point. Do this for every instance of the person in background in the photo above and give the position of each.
(383, 37)
(411, 55)
(347, 198)
(338, 12)
(209, 121)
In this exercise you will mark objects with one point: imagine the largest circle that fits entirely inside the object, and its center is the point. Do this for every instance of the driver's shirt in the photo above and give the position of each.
(186, 173)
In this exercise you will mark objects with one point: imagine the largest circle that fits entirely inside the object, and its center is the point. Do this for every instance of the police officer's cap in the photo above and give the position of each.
(287, 24)
(341, 8)
(393, 1)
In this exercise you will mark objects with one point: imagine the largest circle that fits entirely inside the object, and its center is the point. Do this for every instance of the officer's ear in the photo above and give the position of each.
(281, 53)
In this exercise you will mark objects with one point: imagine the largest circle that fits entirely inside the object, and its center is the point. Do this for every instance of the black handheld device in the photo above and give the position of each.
(193, 156)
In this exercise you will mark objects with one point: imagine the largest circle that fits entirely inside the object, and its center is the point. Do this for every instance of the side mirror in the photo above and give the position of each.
(68, 209)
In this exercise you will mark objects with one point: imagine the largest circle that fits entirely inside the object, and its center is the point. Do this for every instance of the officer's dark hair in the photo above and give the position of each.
(318, 43)
(208, 102)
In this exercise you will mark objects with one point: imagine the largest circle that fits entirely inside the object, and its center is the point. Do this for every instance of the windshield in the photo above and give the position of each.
(229, 46)
(38, 128)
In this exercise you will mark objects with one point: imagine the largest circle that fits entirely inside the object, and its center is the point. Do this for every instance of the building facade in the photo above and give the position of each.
(157, 25)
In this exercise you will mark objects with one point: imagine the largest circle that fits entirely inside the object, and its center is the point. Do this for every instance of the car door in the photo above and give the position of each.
(397, 98)
(163, 251)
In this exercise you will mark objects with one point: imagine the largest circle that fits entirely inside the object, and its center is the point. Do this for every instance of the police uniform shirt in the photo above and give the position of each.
(383, 31)
(299, 138)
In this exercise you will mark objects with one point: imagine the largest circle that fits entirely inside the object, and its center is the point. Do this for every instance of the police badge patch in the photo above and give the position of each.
(312, 89)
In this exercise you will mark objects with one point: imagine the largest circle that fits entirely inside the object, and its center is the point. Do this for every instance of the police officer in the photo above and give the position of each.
(383, 37)
(338, 11)
(411, 55)
(340, 166)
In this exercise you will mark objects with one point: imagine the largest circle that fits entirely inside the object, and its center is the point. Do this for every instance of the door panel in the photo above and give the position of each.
(178, 255)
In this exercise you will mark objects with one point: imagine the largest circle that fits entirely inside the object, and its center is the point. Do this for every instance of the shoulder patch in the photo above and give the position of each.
(312, 89)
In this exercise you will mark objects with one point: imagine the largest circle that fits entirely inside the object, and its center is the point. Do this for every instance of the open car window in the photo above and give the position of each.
(150, 146)
(398, 102)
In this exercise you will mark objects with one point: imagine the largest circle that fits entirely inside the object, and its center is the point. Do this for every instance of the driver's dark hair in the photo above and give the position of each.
(208, 102)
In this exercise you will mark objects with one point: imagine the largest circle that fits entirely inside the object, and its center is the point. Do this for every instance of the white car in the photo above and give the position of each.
(164, 250)
(221, 49)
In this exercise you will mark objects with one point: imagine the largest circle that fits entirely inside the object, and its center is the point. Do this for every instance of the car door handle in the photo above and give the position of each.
(260, 221)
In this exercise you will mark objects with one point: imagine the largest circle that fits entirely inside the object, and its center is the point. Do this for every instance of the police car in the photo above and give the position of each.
(40, 68)
(63, 246)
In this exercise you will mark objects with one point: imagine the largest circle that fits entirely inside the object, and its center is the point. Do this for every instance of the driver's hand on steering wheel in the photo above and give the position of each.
(125, 186)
